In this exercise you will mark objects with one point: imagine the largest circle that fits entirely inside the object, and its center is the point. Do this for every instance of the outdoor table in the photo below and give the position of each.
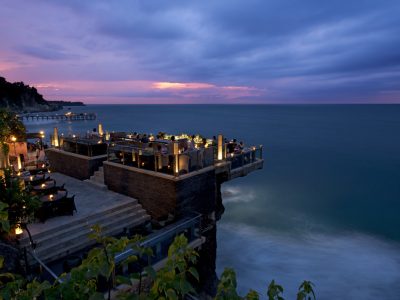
(54, 197)
(35, 180)
(59, 205)
(45, 186)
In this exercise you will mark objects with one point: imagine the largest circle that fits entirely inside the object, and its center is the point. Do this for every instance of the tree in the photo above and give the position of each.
(10, 126)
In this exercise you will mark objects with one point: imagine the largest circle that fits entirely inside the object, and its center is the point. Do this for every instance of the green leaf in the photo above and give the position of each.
(123, 280)
(96, 296)
(194, 273)
(171, 295)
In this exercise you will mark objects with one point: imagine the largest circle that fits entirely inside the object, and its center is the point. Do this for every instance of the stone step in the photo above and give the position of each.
(62, 252)
(67, 228)
(82, 220)
(63, 241)
(98, 184)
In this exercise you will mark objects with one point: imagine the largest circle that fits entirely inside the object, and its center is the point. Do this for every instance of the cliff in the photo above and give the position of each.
(19, 97)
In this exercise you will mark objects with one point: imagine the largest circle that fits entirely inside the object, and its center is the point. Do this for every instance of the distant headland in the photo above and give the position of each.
(22, 98)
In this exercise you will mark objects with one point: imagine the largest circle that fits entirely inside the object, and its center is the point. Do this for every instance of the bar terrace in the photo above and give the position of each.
(168, 174)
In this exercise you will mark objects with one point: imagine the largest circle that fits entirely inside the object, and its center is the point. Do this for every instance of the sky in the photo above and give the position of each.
(209, 51)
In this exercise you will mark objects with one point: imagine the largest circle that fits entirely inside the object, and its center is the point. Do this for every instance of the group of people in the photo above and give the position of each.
(234, 147)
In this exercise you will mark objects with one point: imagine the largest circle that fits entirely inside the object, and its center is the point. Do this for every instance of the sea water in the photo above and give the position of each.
(326, 206)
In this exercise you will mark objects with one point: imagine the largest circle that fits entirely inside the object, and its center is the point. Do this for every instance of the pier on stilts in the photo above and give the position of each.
(61, 117)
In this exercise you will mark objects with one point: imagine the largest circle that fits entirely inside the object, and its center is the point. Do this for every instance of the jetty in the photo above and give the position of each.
(69, 116)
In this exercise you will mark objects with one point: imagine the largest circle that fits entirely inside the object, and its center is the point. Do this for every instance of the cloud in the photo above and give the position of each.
(278, 51)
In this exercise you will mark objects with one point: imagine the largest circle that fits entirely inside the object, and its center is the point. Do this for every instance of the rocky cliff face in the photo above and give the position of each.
(19, 97)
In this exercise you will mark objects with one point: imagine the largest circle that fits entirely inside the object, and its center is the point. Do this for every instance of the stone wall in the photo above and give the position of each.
(161, 194)
(74, 165)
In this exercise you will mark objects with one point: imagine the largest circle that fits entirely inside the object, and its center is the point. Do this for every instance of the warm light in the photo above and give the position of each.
(43, 185)
(30, 178)
(182, 85)
(19, 173)
(99, 142)
(43, 165)
(41, 132)
(100, 129)
(51, 197)
(18, 230)
(68, 113)
(55, 137)
(220, 147)
(13, 138)
(19, 163)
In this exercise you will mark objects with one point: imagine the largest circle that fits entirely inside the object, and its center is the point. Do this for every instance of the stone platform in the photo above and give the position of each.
(60, 236)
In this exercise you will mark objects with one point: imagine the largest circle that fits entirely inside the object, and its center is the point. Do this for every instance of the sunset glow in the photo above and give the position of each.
(181, 86)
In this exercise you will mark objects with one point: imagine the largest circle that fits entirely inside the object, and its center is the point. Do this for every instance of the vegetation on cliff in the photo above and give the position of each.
(20, 97)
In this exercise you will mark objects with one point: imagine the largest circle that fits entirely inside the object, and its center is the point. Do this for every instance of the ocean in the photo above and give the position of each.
(326, 206)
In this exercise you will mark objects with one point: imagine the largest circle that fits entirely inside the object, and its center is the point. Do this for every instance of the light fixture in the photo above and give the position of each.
(18, 229)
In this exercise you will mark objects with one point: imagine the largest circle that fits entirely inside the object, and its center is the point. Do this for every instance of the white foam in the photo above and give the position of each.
(350, 266)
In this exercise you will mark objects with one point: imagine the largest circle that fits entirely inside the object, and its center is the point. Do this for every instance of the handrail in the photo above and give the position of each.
(45, 266)
(156, 236)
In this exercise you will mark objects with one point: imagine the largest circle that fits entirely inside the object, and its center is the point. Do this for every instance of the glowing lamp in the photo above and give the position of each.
(13, 139)
(100, 129)
(220, 147)
(43, 185)
(55, 137)
(176, 153)
(30, 178)
(18, 229)
(19, 163)
(51, 197)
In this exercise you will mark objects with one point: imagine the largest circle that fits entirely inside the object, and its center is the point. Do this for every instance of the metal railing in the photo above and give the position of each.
(246, 157)
(161, 240)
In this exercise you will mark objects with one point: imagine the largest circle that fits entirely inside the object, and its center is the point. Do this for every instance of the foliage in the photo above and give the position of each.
(20, 204)
(306, 291)
(10, 125)
(170, 282)
(274, 291)
(227, 286)
(14, 95)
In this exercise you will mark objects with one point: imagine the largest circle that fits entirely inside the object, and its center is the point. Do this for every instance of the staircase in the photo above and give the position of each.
(98, 178)
(67, 238)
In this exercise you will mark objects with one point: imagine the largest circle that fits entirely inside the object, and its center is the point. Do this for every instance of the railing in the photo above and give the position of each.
(160, 241)
(246, 157)
(83, 146)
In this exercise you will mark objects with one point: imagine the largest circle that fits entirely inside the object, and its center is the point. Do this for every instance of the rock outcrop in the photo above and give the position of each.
(19, 97)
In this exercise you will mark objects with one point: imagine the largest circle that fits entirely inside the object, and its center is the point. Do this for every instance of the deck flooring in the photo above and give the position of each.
(89, 199)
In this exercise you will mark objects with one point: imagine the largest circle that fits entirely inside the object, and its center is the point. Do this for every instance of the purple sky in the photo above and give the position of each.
(223, 51)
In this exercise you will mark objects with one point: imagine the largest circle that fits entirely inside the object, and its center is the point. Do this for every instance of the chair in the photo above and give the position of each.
(66, 206)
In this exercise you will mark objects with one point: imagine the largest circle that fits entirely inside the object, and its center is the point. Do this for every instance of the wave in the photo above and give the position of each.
(347, 266)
